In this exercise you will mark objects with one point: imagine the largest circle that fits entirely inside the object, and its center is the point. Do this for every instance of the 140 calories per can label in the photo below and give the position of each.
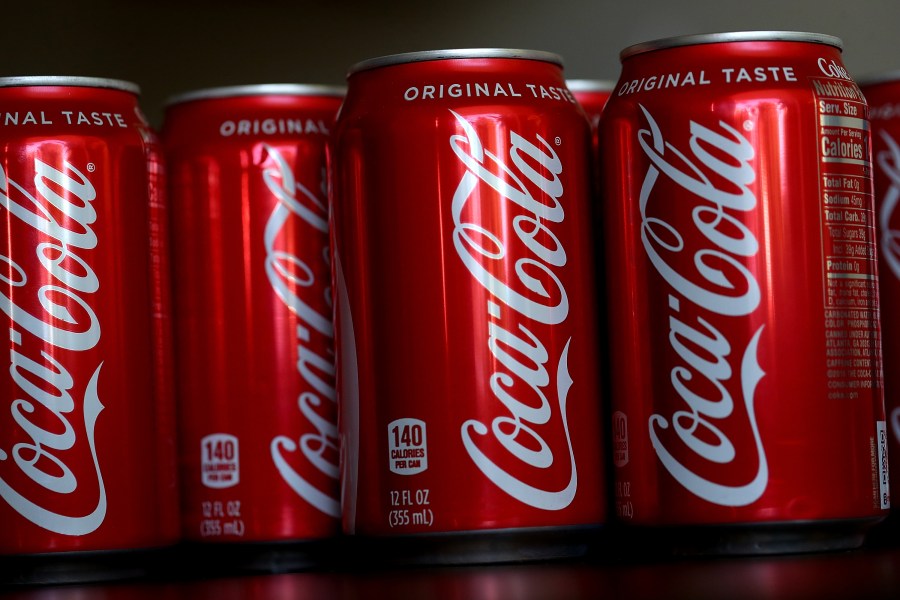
(408, 455)
(220, 469)
(219, 462)
(853, 345)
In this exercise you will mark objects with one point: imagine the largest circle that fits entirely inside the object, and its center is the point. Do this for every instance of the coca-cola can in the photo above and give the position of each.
(882, 93)
(253, 327)
(744, 316)
(465, 308)
(592, 95)
(87, 445)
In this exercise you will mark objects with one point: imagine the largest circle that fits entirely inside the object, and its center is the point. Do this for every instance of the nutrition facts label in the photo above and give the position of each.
(853, 349)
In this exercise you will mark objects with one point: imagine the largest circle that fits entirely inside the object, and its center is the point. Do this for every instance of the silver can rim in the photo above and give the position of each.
(865, 80)
(729, 37)
(591, 85)
(70, 81)
(467, 53)
(262, 89)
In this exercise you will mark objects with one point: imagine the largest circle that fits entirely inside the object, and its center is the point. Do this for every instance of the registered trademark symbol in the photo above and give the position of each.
(91, 167)
(558, 141)
(748, 125)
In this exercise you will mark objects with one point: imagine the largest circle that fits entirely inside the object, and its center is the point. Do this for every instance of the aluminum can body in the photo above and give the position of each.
(253, 324)
(87, 461)
(743, 307)
(592, 95)
(883, 96)
(465, 301)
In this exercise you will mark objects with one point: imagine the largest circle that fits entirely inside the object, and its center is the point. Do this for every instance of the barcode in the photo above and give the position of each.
(883, 481)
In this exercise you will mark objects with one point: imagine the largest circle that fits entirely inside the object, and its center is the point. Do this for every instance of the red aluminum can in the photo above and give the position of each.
(87, 463)
(883, 96)
(465, 308)
(254, 334)
(743, 312)
(592, 95)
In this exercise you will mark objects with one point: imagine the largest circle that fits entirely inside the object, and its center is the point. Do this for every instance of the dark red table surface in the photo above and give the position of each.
(870, 572)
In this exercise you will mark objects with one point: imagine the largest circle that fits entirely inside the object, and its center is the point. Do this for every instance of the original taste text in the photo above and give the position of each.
(488, 90)
(63, 117)
(728, 75)
(698, 78)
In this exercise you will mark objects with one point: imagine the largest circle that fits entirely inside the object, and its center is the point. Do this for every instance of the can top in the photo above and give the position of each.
(70, 81)
(264, 89)
(590, 85)
(734, 36)
(428, 55)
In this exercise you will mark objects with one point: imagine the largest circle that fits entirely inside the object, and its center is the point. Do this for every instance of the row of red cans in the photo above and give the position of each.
(454, 239)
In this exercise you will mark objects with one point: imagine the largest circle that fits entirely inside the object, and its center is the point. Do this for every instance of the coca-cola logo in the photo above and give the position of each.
(716, 284)
(889, 163)
(42, 388)
(533, 294)
(833, 68)
(288, 274)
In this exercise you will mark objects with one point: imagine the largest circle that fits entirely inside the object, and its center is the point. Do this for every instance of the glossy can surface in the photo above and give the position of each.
(592, 95)
(253, 312)
(883, 95)
(741, 258)
(468, 363)
(87, 439)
